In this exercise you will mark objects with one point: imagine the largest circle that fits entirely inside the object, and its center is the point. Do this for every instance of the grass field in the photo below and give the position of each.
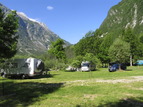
(75, 89)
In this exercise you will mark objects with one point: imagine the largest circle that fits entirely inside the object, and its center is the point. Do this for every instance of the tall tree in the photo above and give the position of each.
(119, 51)
(89, 44)
(85, 45)
(69, 50)
(129, 36)
(8, 37)
(104, 47)
(58, 50)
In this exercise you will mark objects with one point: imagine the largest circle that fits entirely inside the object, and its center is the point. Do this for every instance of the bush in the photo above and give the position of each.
(76, 64)
(55, 65)
(92, 58)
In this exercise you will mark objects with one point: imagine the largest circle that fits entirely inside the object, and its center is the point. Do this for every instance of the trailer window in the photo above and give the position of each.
(13, 65)
(26, 65)
(85, 64)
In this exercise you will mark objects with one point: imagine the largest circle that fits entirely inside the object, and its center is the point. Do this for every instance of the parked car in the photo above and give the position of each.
(115, 66)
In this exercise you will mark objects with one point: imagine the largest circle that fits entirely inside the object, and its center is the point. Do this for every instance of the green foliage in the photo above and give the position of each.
(90, 33)
(83, 46)
(93, 59)
(70, 54)
(58, 50)
(141, 38)
(76, 63)
(104, 47)
(135, 43)
(119, 51)
(129, 36)
(89, 44)
(122, 15)
(8, 39)
(89, 48)
(51, 62)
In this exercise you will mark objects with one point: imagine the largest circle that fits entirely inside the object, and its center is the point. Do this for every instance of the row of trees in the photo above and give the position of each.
(123, 48)
(97, 48)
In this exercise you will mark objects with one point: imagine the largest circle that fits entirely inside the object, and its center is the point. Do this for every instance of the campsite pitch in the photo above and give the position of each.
(75, 89)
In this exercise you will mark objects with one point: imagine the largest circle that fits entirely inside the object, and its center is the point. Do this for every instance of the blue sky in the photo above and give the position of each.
(70, 19)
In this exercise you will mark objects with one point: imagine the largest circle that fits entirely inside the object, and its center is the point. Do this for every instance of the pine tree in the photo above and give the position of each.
(129, 36)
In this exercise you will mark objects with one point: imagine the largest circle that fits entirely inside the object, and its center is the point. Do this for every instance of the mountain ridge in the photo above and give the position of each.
(34, 37)
(127, 13)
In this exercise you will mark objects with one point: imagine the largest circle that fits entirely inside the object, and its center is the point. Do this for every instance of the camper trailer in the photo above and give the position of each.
(87, 66)
(23, 68)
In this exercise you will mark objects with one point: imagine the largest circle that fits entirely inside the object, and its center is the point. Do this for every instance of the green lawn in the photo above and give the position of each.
(76, 89)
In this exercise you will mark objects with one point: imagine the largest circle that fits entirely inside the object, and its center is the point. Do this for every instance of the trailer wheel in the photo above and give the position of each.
(44, 73)
(23, 76)
(4, 76)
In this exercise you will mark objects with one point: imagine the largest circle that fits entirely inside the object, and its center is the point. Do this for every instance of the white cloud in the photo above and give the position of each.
(50, 7)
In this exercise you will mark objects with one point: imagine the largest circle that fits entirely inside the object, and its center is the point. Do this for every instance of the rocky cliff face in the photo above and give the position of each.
(128, 13)
(34, 37)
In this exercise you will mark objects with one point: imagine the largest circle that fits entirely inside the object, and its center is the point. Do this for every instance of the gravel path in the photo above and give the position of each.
(128, 80)
(113, 81)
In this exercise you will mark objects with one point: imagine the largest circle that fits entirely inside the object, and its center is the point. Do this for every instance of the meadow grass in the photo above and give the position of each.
(75, 89)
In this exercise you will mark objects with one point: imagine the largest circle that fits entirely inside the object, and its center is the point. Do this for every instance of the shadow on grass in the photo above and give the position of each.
(45, 76)
(128, 70)
(24, 94)
(130, 102)
(35, 77)
(71, 71)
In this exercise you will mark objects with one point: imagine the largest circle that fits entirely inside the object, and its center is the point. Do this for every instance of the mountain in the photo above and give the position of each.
(127, 13)
(34, 37)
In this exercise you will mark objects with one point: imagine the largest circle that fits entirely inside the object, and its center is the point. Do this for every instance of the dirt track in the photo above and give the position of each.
(127, 80)
(113, 81)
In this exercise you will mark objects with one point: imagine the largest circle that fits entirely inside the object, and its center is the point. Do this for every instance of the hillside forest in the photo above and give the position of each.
(96, 48)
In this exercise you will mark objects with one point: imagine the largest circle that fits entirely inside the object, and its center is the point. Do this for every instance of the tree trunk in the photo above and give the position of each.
(131, 60)
(120, 67)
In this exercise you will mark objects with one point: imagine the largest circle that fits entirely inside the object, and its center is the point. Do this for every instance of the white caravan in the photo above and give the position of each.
(87, 66)
(23, 67)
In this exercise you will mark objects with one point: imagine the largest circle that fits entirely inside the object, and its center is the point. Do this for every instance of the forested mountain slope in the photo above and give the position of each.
(128, 13)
